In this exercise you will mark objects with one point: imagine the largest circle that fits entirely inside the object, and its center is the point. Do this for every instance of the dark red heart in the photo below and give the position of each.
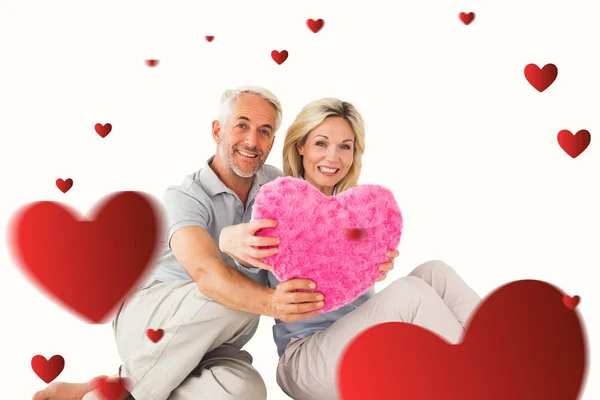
(64, 185)
(103, 130)
(209, 38)
(522, 343)
(155, 335)
(279, 57)
(356, 233)
(87, 266)
(113, 389)
(541, 79)
(466, 18)
(152, 63)
(315, 25)
(48, 370)
(574, 145)
(571, 302)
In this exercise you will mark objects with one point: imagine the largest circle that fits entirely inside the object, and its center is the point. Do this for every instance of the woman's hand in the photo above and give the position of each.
(387, 267)
(239, 242)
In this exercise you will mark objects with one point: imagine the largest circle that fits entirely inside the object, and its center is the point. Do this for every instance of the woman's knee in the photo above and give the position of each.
(431, 268)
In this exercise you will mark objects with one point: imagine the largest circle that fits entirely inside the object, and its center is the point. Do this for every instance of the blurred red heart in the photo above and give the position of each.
(521, 343)
(466, 18)
(152, 63)
(279, 57)
(89, 266)
(48, 370)
(113, 389)
(315, 25)
(209, 38)
(155, 335)
(574, 145)
(64, 185)
(541, 79)
(571, 302)
(103, 130)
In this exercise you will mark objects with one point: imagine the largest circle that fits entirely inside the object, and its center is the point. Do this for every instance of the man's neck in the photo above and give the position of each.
(240, 186)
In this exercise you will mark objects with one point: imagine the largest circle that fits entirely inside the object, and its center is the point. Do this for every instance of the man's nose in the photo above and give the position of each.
(251, 138)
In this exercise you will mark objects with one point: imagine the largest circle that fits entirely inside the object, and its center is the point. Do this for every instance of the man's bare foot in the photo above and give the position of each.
(66, 391)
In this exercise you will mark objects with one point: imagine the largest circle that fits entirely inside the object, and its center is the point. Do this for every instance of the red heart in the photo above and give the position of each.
(63, 185)
(466, 18)
(541, 79)
(103, 130)
(48, 370)
(315, 26)
(356, 233)
(113, 389)
(279, 57)
(155, 335)
(152, 63)
(571, 302)
(574, 145)
(88, 266)
(521, 343)
(209, 38)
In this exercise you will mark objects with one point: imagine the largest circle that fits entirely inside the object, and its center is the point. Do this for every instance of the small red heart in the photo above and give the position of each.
(89, 266)
(520, 344)
(571, 302)
(103, 130)
(356, 233)
(466, 18)
(541, 79)
(155, 335)
(279, 57)
(209, 38)
(48, 370)
(64, 185)
(152, 63)
(574, 145)
(315, 25)
(113, 389)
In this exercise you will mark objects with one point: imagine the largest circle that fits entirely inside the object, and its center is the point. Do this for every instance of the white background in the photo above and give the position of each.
(453, 128)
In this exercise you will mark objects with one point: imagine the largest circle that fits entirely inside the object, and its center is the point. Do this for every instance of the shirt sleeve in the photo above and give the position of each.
(184, 209)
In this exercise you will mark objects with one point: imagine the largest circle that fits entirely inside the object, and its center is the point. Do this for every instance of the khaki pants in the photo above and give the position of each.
(199, 356)
(433, 296)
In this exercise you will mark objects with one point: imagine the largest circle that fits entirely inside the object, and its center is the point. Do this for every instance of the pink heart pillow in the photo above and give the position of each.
(315, 239)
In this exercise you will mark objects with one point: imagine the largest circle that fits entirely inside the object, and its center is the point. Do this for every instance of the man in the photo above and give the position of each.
(206, 307)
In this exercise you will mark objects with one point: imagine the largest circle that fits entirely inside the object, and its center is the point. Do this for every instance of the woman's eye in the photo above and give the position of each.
(320, 144)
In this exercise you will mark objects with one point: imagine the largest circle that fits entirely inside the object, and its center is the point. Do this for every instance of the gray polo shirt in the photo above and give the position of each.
(203, 200)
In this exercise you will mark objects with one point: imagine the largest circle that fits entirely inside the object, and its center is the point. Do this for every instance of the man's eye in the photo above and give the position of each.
(241, 125)
(266, 132)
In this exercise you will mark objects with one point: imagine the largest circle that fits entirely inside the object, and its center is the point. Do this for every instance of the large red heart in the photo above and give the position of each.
(48, 370)
(574, 145)
(522, 343)
(88, 266)
(319, 239)
(541, 79)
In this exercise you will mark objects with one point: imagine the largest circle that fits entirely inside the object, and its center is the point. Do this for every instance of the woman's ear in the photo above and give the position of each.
(300, 149)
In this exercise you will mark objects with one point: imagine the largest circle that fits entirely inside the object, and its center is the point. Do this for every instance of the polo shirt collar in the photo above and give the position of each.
(213, 185)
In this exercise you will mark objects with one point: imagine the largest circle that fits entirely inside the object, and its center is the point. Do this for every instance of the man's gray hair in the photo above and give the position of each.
(232, 94)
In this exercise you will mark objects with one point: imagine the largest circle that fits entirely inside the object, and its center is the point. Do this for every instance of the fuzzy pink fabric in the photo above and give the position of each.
(315, 241)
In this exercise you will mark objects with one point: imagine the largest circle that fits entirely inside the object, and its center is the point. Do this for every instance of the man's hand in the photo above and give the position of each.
(289, 306)
(239, 242)
(387, 267)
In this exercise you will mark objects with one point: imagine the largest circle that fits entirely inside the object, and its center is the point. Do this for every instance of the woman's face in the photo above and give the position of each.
(328, 153)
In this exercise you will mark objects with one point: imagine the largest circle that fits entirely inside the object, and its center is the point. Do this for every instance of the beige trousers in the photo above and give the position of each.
(199, 356)
(432, 296)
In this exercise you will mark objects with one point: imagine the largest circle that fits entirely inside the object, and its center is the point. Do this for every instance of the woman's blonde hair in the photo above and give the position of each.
(311, 116)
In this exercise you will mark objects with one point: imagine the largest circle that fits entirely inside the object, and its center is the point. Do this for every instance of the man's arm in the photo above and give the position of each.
(197, 252)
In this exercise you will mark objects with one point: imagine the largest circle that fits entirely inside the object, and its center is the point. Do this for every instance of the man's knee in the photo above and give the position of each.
(240, 382)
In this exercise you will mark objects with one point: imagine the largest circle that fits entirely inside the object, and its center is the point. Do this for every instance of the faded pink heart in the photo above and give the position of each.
(315, 241)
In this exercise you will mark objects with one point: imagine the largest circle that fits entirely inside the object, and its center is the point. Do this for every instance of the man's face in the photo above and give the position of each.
(246, 139)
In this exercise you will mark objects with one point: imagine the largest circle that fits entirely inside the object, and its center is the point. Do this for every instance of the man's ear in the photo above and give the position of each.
(216, 131)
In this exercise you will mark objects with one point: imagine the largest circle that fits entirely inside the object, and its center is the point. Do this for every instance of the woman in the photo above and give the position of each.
(324, 146)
